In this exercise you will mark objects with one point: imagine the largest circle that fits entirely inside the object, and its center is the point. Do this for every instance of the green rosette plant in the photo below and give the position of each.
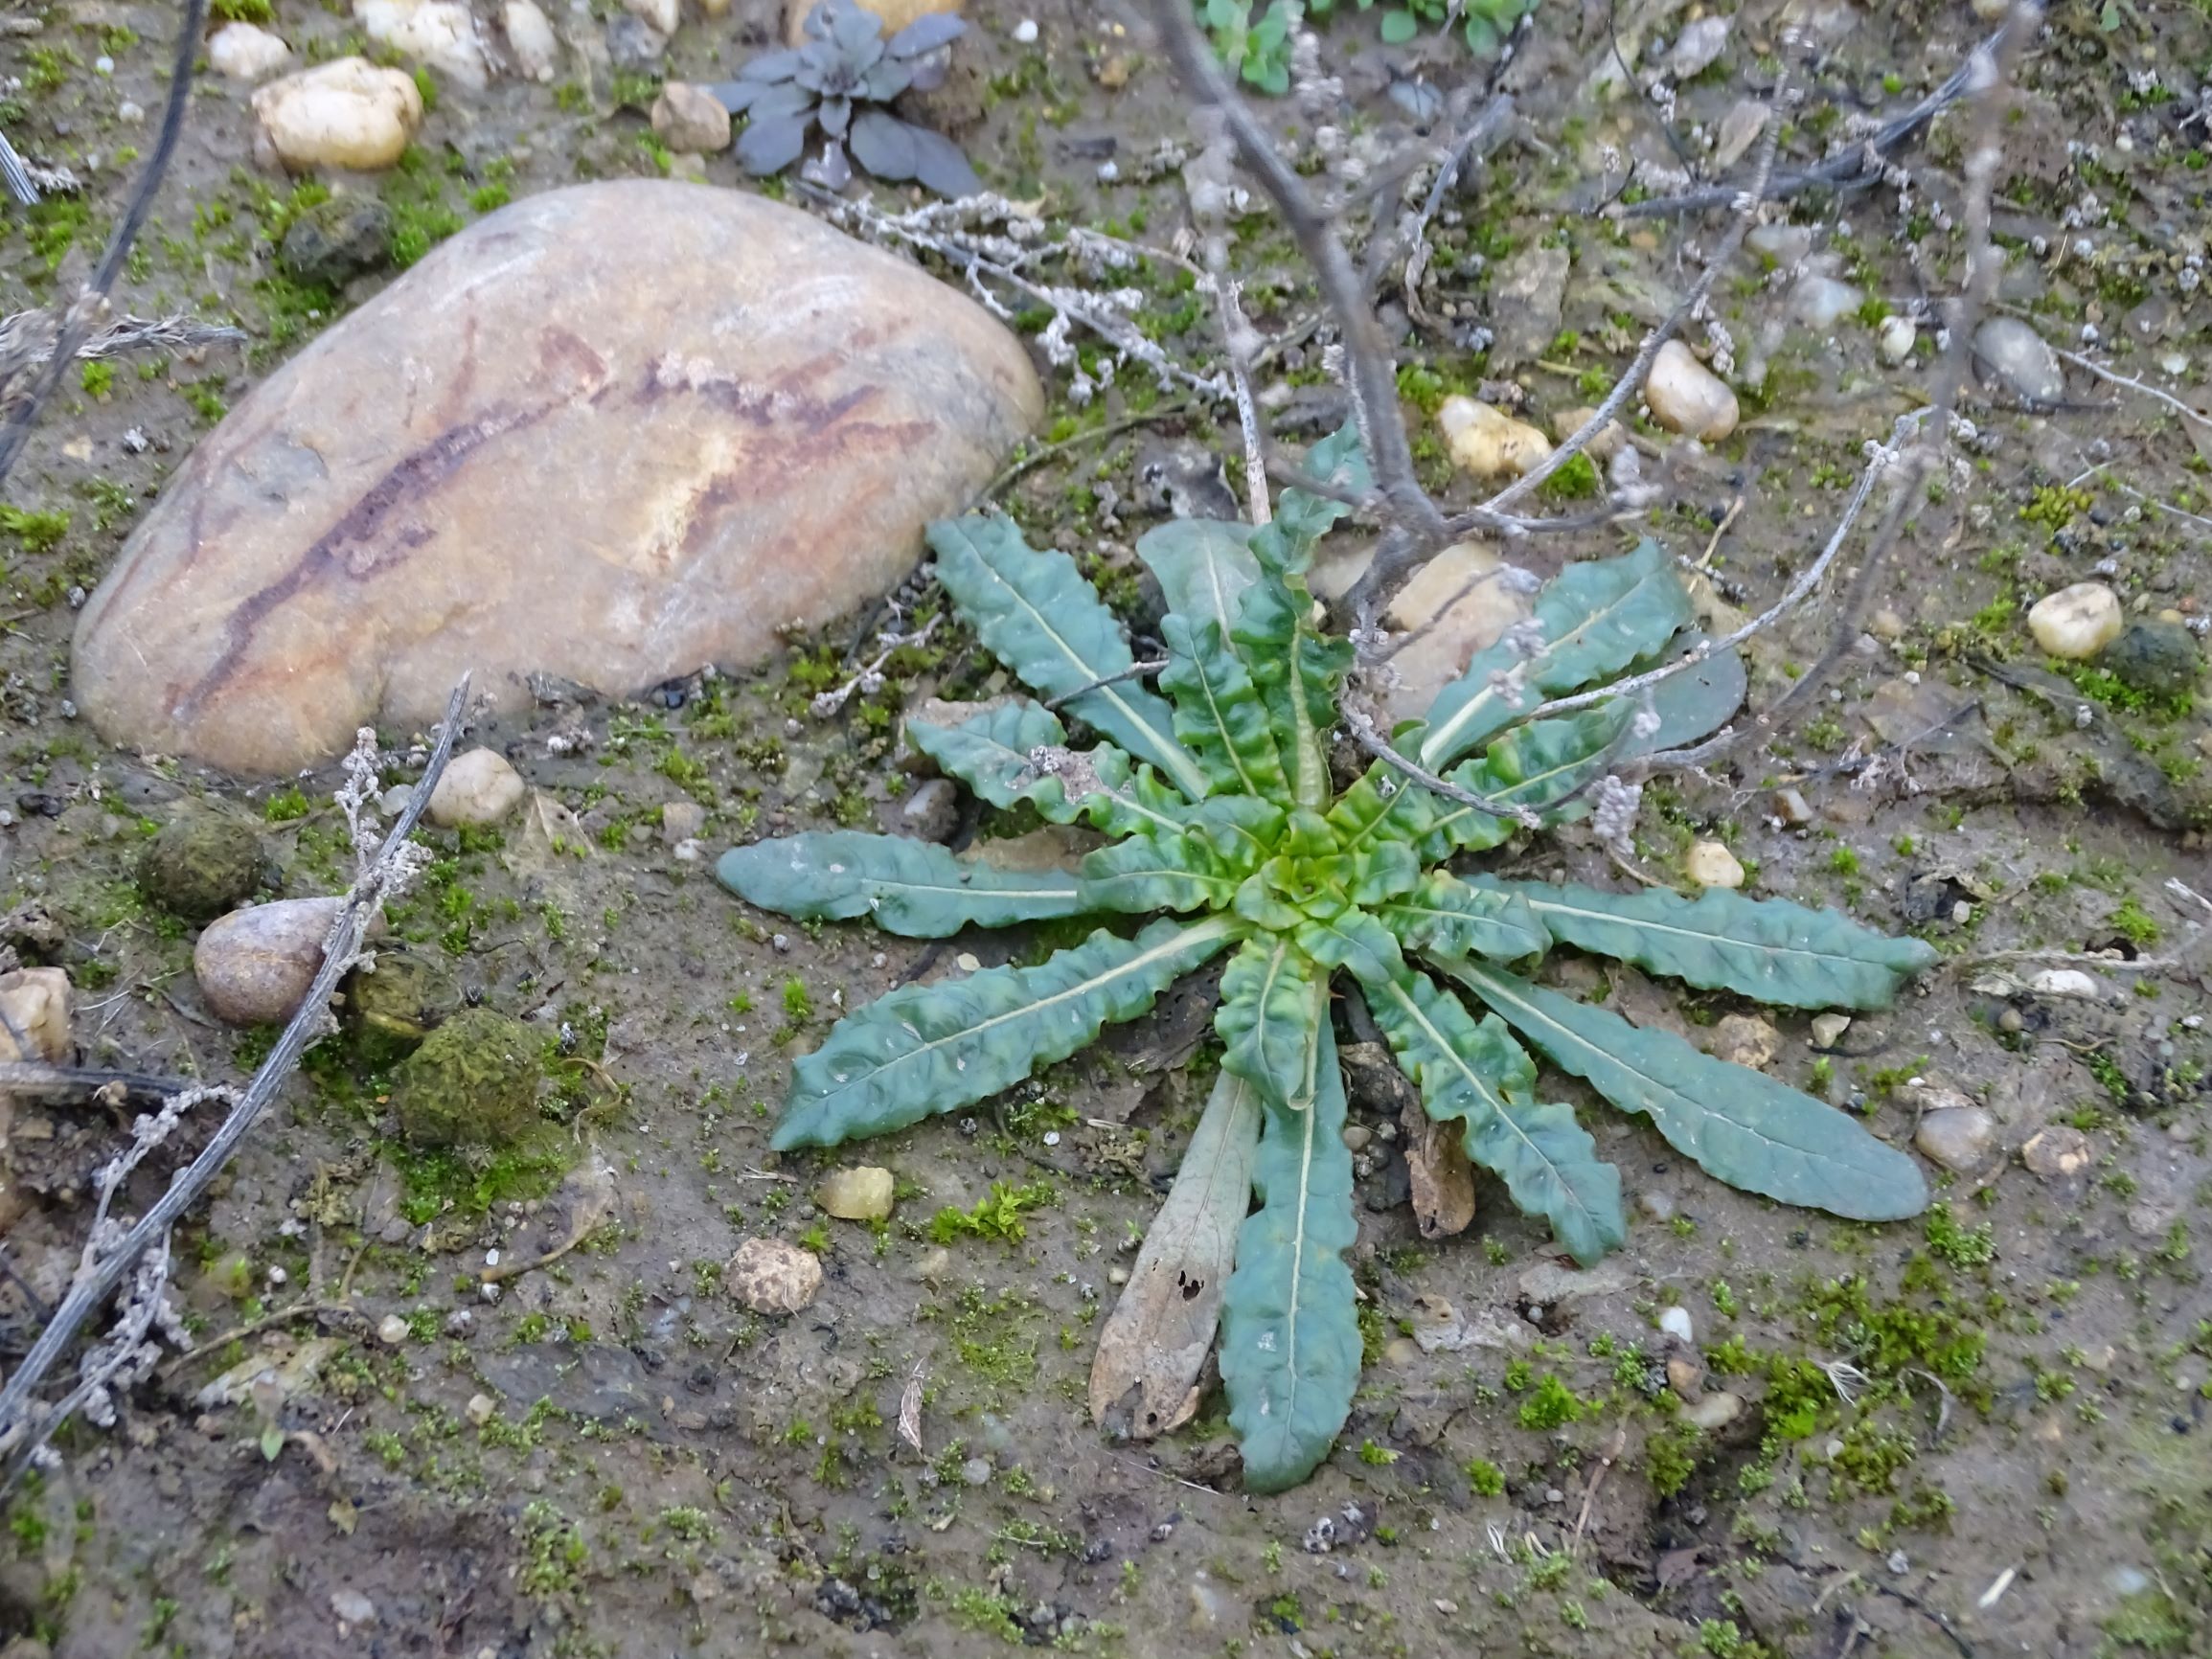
(1228, 836)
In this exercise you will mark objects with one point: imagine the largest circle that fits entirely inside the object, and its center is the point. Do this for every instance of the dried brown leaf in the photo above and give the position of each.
(1443, 1180)
(1145, 1379)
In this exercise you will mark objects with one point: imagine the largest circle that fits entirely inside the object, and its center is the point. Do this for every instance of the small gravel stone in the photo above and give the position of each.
(1828, 1028)
(690, 120)
(1696, 46)
(1356, 1136)
(2057, 1153)
(391, 1331)
(353, 1607)
(2077, 622)
(930, 811)
(862, 1194)
(681, 821)
(476, 788)
(975, 1472)
(1675, 1321)
(1488, 442)
(1656, 1205)
(1791, 807)
(1956, 1137)
(481, 1408)
(1686, 1377)
(1897, 339)
(254, 967)
(1715, 1411)
(769, 1276)
(1744, 1039)
(1686, 396)
(1710, 864)
(2014, 352)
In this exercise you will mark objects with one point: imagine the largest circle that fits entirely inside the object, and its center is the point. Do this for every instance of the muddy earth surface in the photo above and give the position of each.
(1988, 1432)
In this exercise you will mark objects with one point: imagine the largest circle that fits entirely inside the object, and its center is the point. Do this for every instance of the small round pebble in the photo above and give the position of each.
(392, 1331)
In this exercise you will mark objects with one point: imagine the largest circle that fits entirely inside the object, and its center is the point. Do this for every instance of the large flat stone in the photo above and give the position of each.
(612, 433)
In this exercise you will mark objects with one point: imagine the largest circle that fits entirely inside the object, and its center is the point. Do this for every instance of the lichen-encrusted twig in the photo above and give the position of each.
(960, 232)
(1369, 370)
(1862, 163)
(89, 304)
(1989, 74)
(385, 864)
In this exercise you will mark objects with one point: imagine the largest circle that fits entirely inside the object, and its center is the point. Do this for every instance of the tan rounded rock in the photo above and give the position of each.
(440, 34)
(1686, 396)
(2057, 1153)
(896, 14)
(1715, 1411)
(660, 15)
(862, 1193)
(1710, 864)
(35, 1001)
(1744, 1039)
(1488, 443)
(253, 966)
(478, 788)
(1604, 444)
(690, 120)
(612, 433)
(769, 1276)
(530, 39)
(347, 113)
(240, 52)
(1959, 1138)
(2077, 622)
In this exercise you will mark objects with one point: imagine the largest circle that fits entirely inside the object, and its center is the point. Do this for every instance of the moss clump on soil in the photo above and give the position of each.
(473, 1083)
(393, 1004)
(201, 865)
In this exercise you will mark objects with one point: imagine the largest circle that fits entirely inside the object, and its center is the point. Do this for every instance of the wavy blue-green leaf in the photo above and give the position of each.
(926, 1049)
(1379, 872)
(1380, 805)
(1240, 827)
(991, 752)
(1218, 716)
(1203, 566)
(1738, 1124)
(1542, 766)
(1341, 461)
(1147, 873)
(1290, 1326)
(1451, 917)
(915, 889)
(1693, 704)
(1297, 668)
(1768, 949)
(1036, 613)
(1269, 1018)
(1474, 1074)
(1017, 752)
(1598, 617)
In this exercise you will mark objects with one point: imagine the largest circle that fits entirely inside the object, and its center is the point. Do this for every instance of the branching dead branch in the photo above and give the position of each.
(385, 866)
(1412, 518)
(1857, 167)
(1693, 304)
(1990, 76)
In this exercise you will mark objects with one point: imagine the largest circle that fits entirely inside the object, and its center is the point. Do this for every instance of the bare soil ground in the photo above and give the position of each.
(612, 1458)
